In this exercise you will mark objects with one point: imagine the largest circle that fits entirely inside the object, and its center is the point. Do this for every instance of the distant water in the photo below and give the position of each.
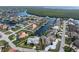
(22, 14)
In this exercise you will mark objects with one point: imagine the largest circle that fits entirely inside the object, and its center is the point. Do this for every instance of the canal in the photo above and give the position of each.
(44, 28)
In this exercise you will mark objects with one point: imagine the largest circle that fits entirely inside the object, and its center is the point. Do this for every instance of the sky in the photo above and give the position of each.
(39, 2)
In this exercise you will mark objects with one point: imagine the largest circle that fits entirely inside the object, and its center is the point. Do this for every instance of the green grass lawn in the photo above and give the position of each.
(6, 46)
(21, 43)
(12, 37)
(8, 32)
(25, 46)
(68, 49)
(2, 42)
(3, 30)
(16, 28)
(68, 41)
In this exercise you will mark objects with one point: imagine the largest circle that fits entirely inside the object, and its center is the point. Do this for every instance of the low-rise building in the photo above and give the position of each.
(70, 19)
(13, 50)
(76, 43)
(34, 26)
(1, 48)
(33, 40)
(53, 46)
(22, 35)
(3, 26)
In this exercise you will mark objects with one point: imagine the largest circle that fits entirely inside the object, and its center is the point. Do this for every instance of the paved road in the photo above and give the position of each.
(63, 38)
(5, 37)
(11, 44)
(18, 30)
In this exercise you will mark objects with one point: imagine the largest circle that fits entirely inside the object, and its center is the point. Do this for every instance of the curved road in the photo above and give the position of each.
(5, 37)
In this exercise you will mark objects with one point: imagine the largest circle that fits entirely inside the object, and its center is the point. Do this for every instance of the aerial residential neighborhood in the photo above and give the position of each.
(22, 30)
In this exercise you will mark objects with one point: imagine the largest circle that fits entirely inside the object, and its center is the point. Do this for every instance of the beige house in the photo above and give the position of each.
(3, 26)
(22, 34)
(34, 26)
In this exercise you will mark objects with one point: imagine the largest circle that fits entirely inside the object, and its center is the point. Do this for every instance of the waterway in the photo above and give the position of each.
(45, 27)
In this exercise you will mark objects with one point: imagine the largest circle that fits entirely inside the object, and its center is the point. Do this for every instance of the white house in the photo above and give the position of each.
(51, 46)
(70, 19)
(33, 40)
(56, 27)
(1, 48)
(71, 23)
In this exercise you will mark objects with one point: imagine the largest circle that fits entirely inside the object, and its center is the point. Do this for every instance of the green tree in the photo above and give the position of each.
(68, 49)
